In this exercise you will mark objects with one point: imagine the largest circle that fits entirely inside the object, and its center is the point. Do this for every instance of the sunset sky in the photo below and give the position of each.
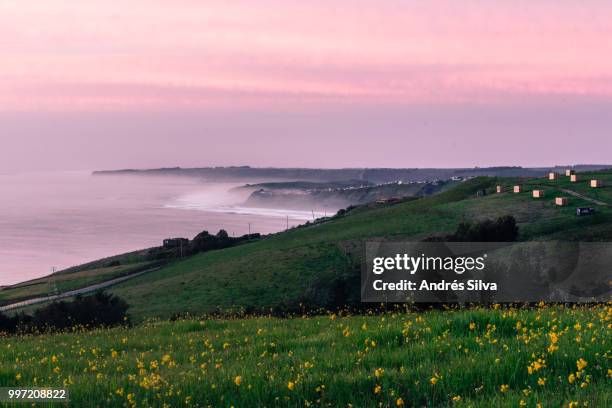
(107, 84)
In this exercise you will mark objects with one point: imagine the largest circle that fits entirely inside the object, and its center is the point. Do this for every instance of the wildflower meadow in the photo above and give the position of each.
(547, 356)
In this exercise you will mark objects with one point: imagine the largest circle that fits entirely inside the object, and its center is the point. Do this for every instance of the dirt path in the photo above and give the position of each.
(75, 292)
(575, 194)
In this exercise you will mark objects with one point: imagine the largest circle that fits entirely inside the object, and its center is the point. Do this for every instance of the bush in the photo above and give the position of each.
(503, 229)
(207, 242)
(100, 309)
(7, 324)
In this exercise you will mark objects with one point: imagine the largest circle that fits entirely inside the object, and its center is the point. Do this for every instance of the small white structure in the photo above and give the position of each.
(499, 189)
(538, 193)
(569, 172)
(552, 175)
(573, 178)
(596, 183)
(517, 189)
(561, 201)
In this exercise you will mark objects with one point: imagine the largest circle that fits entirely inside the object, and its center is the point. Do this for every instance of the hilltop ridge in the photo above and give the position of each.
(374, 175)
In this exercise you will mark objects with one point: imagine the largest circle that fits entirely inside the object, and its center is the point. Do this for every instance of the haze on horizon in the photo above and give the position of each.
(105, 85)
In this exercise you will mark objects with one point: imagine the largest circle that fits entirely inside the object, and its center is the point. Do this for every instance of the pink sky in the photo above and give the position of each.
(385, 82)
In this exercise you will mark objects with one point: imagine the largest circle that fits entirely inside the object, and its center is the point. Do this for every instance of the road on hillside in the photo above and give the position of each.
(75, 292)
(575, 194)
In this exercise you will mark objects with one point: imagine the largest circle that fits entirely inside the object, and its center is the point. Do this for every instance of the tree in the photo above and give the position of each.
(503, 229)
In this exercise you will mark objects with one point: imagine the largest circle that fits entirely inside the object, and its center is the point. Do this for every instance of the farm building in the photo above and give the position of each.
(573, 178)
(517, 189)
(596, 183)
(569, 172)
(561, 201)
(499, 189)
(538, 193)
(552, 175)
(175, 243)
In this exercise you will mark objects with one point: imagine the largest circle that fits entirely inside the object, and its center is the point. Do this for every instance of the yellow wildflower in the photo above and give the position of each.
(553, 337)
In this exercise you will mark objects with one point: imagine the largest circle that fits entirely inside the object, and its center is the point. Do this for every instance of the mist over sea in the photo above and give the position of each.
(62, 219)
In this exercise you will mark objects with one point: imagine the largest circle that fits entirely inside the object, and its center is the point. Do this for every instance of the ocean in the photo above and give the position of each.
(62, 219)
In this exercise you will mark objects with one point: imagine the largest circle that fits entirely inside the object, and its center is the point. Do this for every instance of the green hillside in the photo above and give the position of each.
(306, 263)
(287, 266)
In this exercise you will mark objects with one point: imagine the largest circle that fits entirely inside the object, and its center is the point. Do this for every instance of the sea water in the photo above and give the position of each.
(62, 219)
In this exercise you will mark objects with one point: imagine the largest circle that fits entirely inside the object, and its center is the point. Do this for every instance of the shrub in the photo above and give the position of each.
(503, 229)
(100, 309)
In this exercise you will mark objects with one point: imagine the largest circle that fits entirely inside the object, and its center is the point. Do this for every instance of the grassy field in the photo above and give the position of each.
(543, 357)
(582, 186)
(282, 267)
(66, 281)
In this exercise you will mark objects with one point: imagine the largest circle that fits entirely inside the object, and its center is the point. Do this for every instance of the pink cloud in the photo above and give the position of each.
(60, 55)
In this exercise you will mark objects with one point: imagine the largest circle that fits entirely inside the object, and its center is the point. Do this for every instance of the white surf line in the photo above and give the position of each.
(74, 292)
(296, 215)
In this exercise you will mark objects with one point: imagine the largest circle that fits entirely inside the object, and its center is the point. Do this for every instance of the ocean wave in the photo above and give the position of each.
(262, 212)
